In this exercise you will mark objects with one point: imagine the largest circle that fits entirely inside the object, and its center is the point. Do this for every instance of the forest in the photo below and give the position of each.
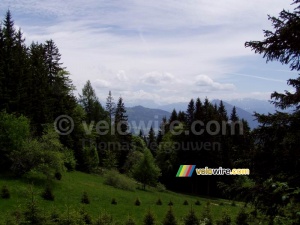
(46, 129)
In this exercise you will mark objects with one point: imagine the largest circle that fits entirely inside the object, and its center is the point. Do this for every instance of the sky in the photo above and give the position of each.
(158, 51)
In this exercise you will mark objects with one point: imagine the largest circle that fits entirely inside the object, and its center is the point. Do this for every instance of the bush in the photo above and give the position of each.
(85, 198)
(197, 202)
(169, 218)
(206, 215)
(117, 180)
(104, 219)
(137, 202)
(225, 220)
(149, 218)
(86, 217)
(48, 194)
(170, 203)
(130, 221)
(242, 218)
(233, 203)
(113, 201)
(191, 218)
(160, 187)
(221, 204)
(159, 202)
(185, 202)
(58, 176)
(5, 194)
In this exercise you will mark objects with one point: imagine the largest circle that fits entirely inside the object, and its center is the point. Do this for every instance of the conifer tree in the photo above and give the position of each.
(110, 106)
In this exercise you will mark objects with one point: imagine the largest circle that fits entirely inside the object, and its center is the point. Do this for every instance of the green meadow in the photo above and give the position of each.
(68, 192)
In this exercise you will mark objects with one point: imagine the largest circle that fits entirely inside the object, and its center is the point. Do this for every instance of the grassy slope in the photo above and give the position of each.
(69, 190)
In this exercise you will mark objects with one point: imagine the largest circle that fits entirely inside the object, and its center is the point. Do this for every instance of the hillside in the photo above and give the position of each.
(69, 190)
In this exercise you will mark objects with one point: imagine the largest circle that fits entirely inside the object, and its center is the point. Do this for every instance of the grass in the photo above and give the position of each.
(68, 192)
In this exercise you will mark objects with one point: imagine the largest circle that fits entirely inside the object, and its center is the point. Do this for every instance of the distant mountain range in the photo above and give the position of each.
(143, 117)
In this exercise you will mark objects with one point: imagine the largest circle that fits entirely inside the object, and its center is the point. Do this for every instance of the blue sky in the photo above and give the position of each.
(161, 51)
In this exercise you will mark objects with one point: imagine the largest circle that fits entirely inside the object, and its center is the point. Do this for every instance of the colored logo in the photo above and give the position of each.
(185, 170)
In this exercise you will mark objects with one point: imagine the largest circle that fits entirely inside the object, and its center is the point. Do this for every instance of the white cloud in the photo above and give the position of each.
(203, 81)
(150, 49)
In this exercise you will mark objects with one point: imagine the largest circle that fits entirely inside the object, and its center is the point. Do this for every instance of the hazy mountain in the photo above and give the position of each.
(243, 114)
(251, 105)
(140, 117)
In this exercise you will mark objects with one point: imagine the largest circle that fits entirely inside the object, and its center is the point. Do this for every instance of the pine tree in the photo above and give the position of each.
(152, 141)
(233, 115)
(110, 106)
(90, 103)
(222, 111)
(170, 218)
(122, 133)
(190, 112)
(149, 218)
(191, 218)
(173, 116)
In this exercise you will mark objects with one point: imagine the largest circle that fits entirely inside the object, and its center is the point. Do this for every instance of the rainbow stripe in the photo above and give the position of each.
(185, 170)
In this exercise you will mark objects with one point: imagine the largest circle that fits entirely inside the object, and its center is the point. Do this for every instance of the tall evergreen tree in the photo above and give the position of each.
(110, 106)
(222, 111)
(233, 115)
(190, 112)
(152, 144)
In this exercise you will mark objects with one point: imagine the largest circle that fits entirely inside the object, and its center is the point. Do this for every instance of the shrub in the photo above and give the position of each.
(225, 220)
(242, 218)
(221, 204)
(117, 180)
(48, 194)
(149, 218)
(197, 202)
(185, 202)
(113, 201)
(233, 203)
(159, 202)
(206, 215)
(104, 219)
(130, 221)
(58, 176)
(191, 218)
(87, 219)
(5, 194)
(137, 202)
(160, 187)
(170, 218)
(170, 203)
(85, 198)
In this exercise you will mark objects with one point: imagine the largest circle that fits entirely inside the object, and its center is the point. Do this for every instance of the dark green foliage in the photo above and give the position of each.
(117, 180)
(152, 145)
(159, 202)
(114, 201)
(137, 202)
(85, 198)
(197, 202)
(233, 203)
(130, 221)
(54, 217)
(185, 202)
(146, 171)
(149, 218)
(104, 219)
(221, 204)
(32, 213)
(170, 218)
(170, 203)
(47, 194)
(5, 194)
(191, 218)
(58, 176)
(86, 218)
(206, 215)
(241, 218)
(225, 220)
